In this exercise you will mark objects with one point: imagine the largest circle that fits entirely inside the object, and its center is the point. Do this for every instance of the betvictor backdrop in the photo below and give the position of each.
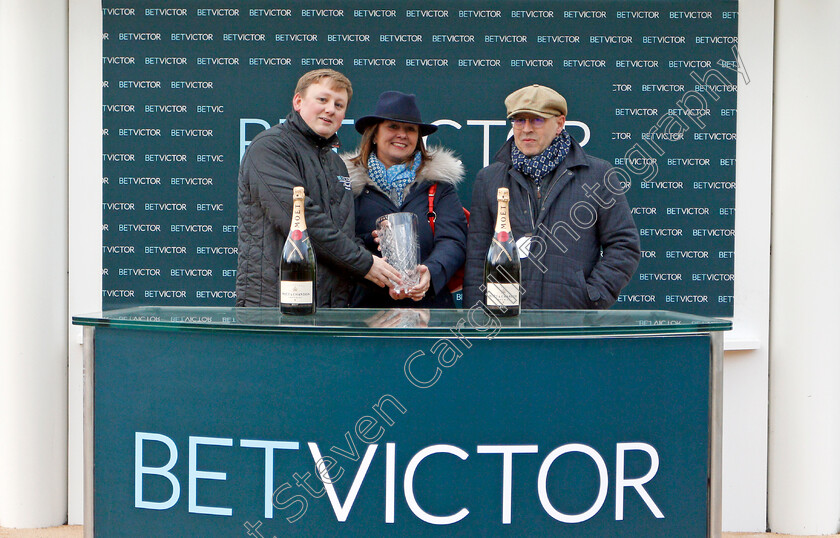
(651, 87)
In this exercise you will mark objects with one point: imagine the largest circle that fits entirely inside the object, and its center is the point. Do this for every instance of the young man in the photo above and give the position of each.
(577, 239)
(297, 153)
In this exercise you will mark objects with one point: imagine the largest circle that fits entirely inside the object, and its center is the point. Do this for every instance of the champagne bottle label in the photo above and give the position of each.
(295, 292)
(502, 294)
(298, 220)
(502, 217)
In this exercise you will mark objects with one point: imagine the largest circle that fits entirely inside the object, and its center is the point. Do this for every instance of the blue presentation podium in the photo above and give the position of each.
(354, 422)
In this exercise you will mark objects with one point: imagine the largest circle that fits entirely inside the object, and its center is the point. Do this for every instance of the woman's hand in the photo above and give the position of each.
(375, 235)
(417, 292)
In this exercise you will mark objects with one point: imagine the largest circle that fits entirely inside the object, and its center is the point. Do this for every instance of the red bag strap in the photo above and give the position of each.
(431, 214)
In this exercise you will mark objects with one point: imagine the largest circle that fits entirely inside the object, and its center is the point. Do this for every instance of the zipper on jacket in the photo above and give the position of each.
(531, 213)
(551, 186)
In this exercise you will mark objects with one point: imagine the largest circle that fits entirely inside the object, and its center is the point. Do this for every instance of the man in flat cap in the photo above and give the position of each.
(577, 241)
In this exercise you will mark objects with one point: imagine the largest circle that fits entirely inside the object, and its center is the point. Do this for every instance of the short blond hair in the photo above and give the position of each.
(337, 81)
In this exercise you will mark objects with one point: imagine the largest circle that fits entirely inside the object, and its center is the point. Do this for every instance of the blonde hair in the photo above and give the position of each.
(337, 81)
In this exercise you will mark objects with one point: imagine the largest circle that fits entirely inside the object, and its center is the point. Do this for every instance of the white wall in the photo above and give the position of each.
(746, 361)
(85, 202)
(33, 268)
(804, 493)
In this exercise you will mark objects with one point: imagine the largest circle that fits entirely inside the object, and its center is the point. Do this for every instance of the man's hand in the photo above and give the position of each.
(381, 273)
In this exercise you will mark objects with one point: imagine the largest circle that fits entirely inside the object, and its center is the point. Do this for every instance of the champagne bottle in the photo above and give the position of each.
(297, 264)
(502, 267)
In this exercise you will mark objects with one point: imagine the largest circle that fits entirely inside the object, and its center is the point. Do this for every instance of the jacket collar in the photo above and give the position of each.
(441, 166)
(296, 121)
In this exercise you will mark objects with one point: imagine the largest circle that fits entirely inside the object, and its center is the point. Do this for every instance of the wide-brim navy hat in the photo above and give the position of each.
(396, 106)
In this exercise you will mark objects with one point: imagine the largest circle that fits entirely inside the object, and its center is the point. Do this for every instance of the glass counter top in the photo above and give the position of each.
(421, 323)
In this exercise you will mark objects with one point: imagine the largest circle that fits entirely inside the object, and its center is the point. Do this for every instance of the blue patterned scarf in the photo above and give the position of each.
(392, 181)
(539, 166)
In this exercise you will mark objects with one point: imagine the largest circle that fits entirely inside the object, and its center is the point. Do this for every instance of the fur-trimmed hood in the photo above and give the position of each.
(442, 165)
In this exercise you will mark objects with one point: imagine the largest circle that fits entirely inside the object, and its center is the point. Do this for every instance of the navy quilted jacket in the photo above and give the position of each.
(442, 252)
(584, 245)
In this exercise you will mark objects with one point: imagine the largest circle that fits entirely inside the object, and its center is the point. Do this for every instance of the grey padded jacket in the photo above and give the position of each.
(285, 156)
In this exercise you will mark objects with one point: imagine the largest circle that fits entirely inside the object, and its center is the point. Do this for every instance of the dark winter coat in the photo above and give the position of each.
(443, 253)
(584, 244)
(285, 156)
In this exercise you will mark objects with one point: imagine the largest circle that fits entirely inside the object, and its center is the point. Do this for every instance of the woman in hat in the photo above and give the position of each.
(393, 171)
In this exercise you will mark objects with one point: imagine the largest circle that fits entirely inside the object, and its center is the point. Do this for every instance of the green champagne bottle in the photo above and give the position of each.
(502, 268)
(297, 264)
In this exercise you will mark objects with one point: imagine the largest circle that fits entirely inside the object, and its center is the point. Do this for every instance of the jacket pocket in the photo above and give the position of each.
(592, 292)
(564, 285)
